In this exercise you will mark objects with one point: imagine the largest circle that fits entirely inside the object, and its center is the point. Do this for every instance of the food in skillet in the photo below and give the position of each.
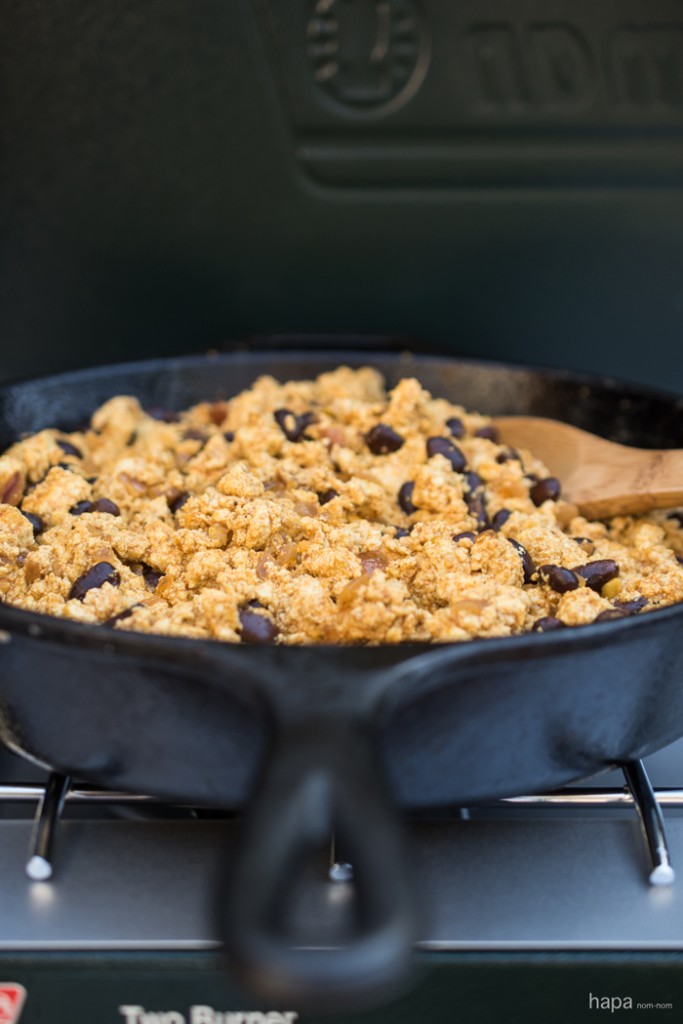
(323, 511)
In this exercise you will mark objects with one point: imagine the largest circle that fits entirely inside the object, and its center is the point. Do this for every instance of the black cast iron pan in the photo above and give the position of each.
(317, 739)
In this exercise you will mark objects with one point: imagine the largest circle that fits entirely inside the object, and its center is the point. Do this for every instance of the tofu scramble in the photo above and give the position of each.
(325, 511)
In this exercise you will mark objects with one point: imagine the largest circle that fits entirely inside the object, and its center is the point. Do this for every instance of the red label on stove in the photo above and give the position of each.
(12, 997)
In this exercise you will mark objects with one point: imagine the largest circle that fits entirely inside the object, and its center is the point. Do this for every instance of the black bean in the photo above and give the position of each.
(195, 435)
(474, 500)
(176, 503)
(632, 607)
(545, 490)
(508, 455)
(547, 624)
(679, 559)
(158, 412)
(229, 435)
(125, 614)
(405, 497)
(70, 449)
(328, 495)
(291, 425)
(306, 419)
(151, 576)
(443, 446)
(383, 439)
(288, 423)
(500, 519)
(255, 628)
(597, 574)
(465, 535)
(100, 574)
(456, 427)
(610, 614)
(402, 531)
(676, 517)
(105, 506)
(66, 465)
(527, 562)
(476, 506)
(558, 579)
(36, 521)
(80, 507)
(490, 433)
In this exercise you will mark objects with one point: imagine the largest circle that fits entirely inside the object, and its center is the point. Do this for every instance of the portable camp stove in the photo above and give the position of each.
(540, 907)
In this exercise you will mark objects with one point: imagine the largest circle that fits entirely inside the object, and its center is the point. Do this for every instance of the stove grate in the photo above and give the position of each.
(637, 793)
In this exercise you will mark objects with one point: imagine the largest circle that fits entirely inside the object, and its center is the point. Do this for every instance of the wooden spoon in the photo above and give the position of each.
(601, 477)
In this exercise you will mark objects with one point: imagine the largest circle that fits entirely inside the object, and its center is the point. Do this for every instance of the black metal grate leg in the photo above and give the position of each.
(652, 822)
(48, 816)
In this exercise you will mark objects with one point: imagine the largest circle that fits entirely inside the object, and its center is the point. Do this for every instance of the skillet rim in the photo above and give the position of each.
(604, 381)
(37, 625)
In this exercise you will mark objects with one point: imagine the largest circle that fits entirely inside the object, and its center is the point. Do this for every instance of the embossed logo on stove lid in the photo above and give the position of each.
(12, 999)
(480, 94)
(367, 55)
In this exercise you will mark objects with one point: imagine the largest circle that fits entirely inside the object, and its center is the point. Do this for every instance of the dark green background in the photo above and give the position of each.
(158, 194)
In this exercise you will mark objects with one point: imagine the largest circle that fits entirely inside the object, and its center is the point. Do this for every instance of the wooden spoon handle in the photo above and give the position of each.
(601, 477)
(654, 480)
(660, 478)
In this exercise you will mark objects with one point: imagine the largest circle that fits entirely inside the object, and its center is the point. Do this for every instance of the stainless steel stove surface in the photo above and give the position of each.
(536, 909)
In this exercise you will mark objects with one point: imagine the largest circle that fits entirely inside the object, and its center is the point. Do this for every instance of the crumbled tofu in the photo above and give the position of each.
(312, 512)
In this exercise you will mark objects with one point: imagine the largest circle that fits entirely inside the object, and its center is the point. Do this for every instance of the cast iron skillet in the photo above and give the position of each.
(320, 738)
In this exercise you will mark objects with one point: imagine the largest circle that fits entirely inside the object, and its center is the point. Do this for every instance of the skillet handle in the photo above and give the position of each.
(322, 778)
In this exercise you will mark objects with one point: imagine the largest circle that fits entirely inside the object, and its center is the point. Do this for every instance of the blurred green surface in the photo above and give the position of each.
(160, 190)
